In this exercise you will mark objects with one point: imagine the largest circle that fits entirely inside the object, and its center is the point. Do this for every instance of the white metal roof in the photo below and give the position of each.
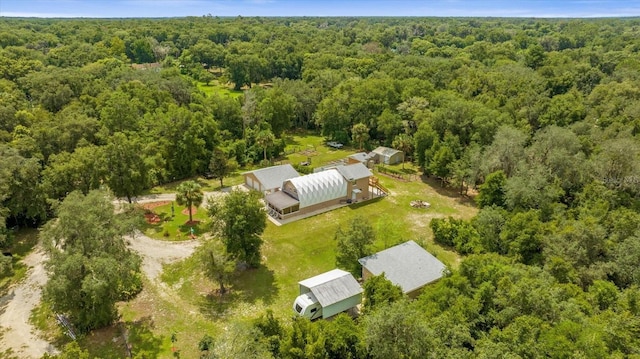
(319, 187)
(386, 151)
(407, 265)
(332, 286)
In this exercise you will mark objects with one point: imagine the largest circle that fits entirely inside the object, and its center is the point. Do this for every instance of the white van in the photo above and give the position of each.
(307, 305)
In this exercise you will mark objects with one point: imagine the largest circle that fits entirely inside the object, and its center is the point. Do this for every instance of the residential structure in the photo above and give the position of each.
(269, 179)
(331, 186)
(406, 265)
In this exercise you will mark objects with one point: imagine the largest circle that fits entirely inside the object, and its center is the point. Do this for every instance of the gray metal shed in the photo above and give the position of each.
(336, 290)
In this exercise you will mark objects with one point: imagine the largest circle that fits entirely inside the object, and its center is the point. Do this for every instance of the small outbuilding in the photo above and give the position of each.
(269, 179)
(366, 159)
(406, 265)
(388, 156)
(336, 290)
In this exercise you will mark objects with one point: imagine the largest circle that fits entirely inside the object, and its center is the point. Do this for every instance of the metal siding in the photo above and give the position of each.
(341, 306)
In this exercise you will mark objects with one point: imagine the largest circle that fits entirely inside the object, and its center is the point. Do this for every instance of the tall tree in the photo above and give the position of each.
(220, 166)
(491, 192)
(240, 220)
(216, 263)
(265, 139)
(126, 168)
(90, 266)
(353, 243)
(189, 194)
(360, 134)
(404, 143)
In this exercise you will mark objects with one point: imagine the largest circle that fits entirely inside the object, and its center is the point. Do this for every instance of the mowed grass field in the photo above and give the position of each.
(187, 304)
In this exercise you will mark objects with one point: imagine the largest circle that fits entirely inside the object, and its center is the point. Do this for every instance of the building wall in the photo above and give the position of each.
(341, 306)
(255, 181)
(396, 158)
(366, 274)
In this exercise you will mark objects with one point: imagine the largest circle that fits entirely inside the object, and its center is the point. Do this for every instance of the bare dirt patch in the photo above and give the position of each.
(151, 205)
(194, 210)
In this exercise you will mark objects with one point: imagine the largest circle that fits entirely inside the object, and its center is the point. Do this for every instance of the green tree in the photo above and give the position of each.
(240, 220)
(404, 143)
(220, 166)
(379, 292)
(189, 194)
(126, 167)
(354, 243)
(216, 264)
(265, 139)
(360, 134)
(398, 331)
(491, 192)
(90, 267)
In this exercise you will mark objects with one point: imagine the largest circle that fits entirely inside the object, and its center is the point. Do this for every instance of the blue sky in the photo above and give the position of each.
(178, 8)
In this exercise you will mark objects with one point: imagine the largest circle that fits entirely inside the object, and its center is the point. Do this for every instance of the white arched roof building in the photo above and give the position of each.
(317, 187)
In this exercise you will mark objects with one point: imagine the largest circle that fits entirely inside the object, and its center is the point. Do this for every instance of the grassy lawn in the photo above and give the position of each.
(216, 88)
(311, 147)
(176, 228)
(298, 250)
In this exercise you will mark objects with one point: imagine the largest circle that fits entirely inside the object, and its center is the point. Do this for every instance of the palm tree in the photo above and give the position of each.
(404, 143)
(189, 194)
(360, 133)
(265, 138)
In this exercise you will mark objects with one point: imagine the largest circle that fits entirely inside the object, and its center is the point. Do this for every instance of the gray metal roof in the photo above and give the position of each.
(354, 171)
(407, 265)
(332, 287)
(362, 156)
(281, 200)
(273, 177)
(386, 151)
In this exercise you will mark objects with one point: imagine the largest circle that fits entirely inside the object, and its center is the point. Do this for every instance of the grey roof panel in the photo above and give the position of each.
(386, 151)
(407, 265)
(281, 200)
(273, 177)
(333, 286)
(354, 171)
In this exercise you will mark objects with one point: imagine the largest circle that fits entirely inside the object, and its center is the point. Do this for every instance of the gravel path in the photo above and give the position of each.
(155, 253)
(18, 335)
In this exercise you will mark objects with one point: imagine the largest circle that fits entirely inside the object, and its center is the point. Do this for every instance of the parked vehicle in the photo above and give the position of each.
(327, 294)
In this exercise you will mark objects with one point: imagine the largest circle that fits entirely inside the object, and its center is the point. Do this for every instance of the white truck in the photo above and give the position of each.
(327, 294)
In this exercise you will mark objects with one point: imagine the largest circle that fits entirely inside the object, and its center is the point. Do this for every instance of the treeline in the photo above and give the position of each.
(540, 116)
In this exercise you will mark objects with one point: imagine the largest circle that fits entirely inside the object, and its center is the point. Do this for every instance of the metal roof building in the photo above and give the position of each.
(317, 187)
(269, 178)
(407, 265)
(388, 156)
(336, 290)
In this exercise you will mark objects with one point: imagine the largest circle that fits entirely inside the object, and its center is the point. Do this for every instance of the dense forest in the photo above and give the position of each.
(540, 118)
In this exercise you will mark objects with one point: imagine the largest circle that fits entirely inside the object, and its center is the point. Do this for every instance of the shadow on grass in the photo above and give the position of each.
(257, 284)
(365, 203)
(142, 341)
(247, 286)
(437, 186)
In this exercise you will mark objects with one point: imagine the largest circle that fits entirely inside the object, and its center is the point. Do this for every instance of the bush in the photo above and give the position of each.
(6, 266)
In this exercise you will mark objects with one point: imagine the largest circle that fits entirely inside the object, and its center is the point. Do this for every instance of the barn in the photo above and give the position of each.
(269, 179)
(388, 156)
(406, 265)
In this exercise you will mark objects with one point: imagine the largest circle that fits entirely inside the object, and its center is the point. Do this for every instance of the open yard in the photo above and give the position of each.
(186, 303)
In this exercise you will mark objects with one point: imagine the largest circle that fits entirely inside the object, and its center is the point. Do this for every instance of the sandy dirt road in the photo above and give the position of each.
(19, 337)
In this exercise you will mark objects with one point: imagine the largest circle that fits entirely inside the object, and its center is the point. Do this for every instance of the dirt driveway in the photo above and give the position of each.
(18, 336)
(155, 253)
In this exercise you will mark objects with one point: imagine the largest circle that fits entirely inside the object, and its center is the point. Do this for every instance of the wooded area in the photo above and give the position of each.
(540, 118)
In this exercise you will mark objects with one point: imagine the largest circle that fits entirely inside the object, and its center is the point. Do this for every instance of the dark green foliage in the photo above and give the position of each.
(90, 266)
(240, 220)
(456, 233)
(491, 192)
(379, 292)
(353, 243)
